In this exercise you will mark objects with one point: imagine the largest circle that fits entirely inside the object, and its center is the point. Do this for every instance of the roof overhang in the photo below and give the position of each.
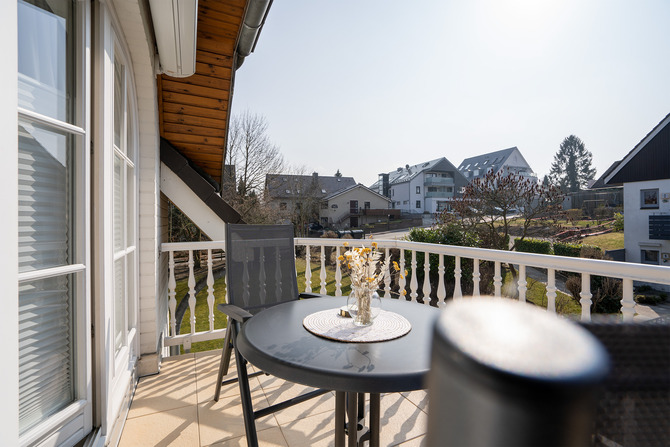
(175, 28)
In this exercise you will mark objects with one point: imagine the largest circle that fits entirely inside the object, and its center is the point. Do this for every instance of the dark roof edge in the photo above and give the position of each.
(201, 186)
(643, 142)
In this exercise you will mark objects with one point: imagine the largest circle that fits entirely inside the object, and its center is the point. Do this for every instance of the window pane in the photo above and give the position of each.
(118, 204)
(119, 106)
(45, 348)
(45, 57)
(119, 303)
(45, 198)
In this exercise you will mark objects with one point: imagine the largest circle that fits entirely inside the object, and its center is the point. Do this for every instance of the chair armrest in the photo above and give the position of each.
(234, 312)
(309, 295)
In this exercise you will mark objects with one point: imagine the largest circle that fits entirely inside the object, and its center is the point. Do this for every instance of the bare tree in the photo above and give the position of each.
(252, 153)
(490, 203)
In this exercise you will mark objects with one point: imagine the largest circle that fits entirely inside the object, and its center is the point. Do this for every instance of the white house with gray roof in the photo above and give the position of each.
(427, 187)
(506, 161)
(353, 207)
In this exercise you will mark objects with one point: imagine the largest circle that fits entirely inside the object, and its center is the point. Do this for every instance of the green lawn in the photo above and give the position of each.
(202, 310)
(607, 241)
(537, 294)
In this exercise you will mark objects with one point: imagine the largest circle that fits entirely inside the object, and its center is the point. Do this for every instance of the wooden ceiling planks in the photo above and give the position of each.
(194, 110)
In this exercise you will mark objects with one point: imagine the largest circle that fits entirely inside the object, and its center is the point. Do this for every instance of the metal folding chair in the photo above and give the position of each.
(260, 273)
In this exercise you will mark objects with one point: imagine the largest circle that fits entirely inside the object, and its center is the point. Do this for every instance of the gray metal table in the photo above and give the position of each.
(275, 341)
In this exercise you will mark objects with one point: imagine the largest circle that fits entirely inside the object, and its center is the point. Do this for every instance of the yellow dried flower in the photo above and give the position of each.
(340, 258)
(404, 292)
(374, 245)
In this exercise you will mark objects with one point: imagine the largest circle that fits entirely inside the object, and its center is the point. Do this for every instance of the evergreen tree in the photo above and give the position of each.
(571, 169)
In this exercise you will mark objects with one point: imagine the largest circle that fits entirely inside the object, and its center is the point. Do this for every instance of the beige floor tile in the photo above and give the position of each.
(312, 431)
(164, 392)
(221, 421)
(272, 437)
(418, 398)
(320, 404)
(207, 371)
(401, 420)
(177, 427)
(419, 441)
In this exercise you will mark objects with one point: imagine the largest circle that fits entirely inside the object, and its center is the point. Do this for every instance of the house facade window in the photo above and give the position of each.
(53, 211)
(124, 141)
(418, 190)
(366, 205)
(418, 203)
(649, 198)
(649, 256)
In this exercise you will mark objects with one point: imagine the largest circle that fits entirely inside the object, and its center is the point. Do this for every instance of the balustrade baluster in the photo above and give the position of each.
(628, 301)
(210, 288)
(191, 290)
(426, 277)
(441, 291)
(475, 277)
(172, 301)
(402, 281)
(523, 283)
(586, 297)
(457, 278)
(497, 279)
(308, 270)
(387, 275)
(551, 290)
(322, 275)
(338, 273)
(413, 283)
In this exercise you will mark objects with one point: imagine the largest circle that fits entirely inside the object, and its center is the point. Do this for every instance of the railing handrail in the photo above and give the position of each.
(639, 272)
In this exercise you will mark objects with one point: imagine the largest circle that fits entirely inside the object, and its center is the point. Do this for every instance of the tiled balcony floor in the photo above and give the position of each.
(176, 408)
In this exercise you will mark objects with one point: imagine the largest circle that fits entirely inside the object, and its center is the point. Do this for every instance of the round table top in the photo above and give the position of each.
(275, 341)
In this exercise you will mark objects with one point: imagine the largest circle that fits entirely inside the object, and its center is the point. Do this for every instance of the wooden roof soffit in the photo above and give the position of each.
(194, 111)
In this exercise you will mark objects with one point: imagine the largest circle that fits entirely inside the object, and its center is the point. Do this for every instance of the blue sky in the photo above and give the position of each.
(366, 86)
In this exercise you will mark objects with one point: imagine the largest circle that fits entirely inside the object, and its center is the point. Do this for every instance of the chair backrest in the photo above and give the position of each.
(260, 265)
(634, 408)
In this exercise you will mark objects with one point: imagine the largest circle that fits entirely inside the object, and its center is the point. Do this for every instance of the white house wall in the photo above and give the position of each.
(134, 19)
(9, 330)
(342, 201)
(636, 220)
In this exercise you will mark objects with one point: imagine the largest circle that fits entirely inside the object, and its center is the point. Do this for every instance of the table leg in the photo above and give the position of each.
(340, 399)
(352, 416)
(375, 413)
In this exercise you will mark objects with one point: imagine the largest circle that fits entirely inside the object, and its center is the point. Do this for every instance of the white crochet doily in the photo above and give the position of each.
(329, 324)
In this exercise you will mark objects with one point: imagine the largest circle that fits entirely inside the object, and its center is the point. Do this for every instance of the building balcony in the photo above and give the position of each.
(438, 195)
(177, 407)
(438, 181)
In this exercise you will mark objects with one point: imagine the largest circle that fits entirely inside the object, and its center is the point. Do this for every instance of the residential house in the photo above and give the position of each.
(353, 207)
(426, 187)
(96, 84)
(506, 161)
(645, 175)
(290, 195)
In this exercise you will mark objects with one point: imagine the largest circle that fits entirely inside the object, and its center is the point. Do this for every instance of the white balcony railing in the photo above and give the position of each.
(627, 272)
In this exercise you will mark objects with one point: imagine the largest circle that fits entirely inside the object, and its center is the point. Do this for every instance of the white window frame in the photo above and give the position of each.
(114, 369)
(76, 419)
(650, 206)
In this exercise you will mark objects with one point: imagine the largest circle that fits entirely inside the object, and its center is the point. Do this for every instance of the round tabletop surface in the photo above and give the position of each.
(275, 341)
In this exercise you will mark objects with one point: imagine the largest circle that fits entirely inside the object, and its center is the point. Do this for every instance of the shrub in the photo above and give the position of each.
(650, 298)
(591, 252)
(573, 215)
(618, 222)
(533, 246)
(567, 249)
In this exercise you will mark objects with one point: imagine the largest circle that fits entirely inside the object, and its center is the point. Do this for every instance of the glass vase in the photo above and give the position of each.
(364, 306)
